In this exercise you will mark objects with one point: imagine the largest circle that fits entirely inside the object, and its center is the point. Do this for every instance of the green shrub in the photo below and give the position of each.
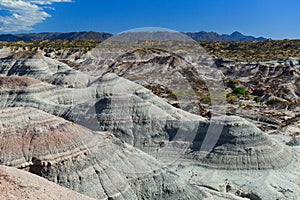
(273, 101)
(257, 99)
(239, 90)
(205, 99)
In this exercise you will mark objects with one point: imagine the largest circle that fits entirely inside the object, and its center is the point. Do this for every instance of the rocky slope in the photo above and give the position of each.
(266, 79)
(36, 65)
(271, 90)
(242, 146)
(18, 184)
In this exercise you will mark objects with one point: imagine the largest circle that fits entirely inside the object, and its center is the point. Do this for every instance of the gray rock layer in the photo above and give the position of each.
(241, 146)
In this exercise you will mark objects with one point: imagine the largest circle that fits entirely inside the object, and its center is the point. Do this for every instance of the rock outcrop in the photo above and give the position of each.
(241, 146)
(265, 79)
(36, 65)
(18, 185)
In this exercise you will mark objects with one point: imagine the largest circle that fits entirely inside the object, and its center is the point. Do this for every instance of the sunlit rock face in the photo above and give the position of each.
(36, 65)
(241, 145)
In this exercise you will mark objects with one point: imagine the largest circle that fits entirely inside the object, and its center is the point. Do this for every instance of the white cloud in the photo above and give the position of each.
(43, 2)
(23, 14)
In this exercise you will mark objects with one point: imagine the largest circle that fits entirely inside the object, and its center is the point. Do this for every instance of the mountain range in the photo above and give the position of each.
(91, 35)
(233, 37)
(100, 36)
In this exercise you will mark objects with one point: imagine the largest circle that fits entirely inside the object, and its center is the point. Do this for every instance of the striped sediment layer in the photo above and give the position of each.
(18, 184)
(240, 145)
(35, 65)
(28, 134)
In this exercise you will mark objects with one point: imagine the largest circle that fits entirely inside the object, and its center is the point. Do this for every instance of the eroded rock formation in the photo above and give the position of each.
(18, 184)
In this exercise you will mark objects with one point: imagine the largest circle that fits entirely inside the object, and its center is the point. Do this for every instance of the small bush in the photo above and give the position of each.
(230, 98)
(205, 99)
(257, 99)
(273, 101)
(239, 90)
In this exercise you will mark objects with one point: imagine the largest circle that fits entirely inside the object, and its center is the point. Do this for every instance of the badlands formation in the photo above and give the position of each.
(117, 127)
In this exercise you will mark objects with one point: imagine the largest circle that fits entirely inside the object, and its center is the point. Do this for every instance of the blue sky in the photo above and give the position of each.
(275, 19)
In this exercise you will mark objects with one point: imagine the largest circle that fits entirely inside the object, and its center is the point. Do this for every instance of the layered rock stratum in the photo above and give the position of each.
(18, 184)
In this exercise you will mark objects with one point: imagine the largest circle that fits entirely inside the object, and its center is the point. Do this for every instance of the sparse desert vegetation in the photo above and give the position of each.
(254, 51)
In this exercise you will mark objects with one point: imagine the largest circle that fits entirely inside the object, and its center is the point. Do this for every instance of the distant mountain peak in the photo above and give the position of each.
(236, 33)
(213, 36)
